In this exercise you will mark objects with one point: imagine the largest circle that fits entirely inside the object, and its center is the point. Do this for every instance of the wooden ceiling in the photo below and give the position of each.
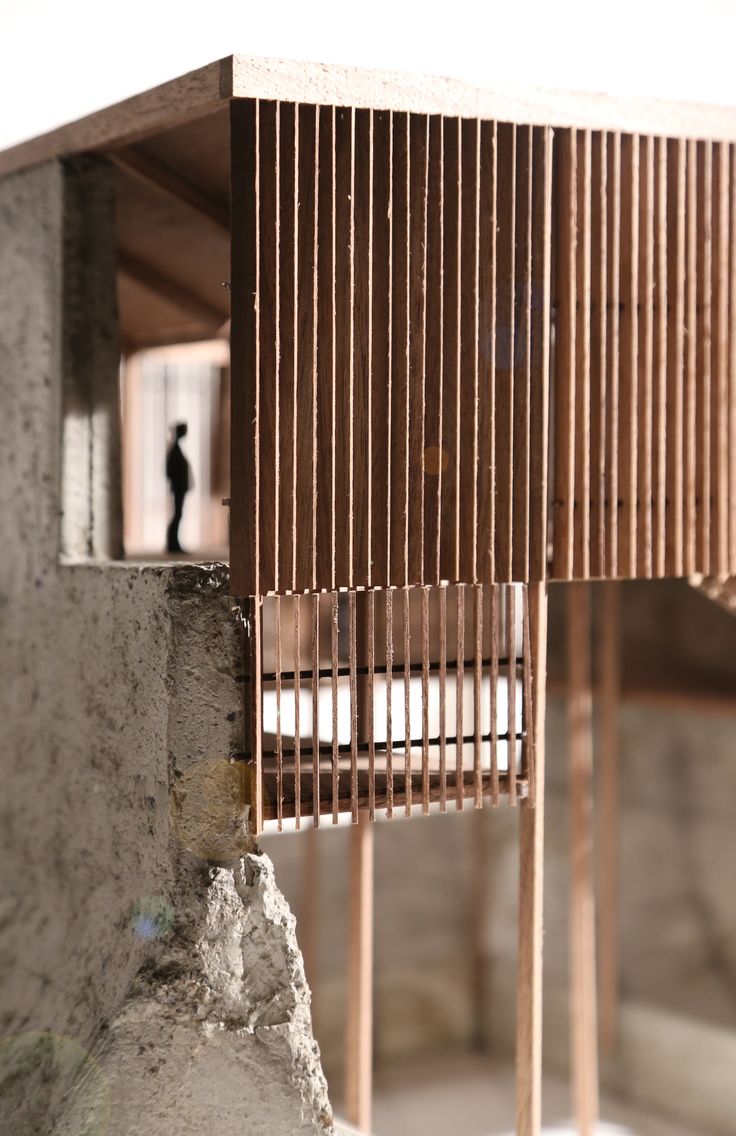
(170, 148)
(173, 234)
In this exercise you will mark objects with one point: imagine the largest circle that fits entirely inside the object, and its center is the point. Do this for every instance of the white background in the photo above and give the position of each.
(60, 59)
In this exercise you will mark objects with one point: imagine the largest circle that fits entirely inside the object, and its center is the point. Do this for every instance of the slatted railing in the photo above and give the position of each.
(415, 696)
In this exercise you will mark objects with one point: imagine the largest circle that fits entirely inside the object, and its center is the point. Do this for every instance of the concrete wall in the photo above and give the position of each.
(120, 702)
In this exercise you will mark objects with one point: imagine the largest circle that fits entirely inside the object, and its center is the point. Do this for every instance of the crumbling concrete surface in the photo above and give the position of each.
(216, 1035)
(141, 989)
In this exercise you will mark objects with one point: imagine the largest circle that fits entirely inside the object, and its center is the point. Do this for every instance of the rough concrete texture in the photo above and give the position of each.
(118, 683)
(216, 1036)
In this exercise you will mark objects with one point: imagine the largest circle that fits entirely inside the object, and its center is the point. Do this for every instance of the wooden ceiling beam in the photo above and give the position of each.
(152, 172)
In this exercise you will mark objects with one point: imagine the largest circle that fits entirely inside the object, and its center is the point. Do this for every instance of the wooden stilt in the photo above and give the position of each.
(609, 671)
(309, 915)
(583, 1025)
(359, 1039)
(480, 883)
(531, 879)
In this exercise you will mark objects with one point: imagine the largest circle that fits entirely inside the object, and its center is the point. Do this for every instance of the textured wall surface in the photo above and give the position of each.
(120, 702)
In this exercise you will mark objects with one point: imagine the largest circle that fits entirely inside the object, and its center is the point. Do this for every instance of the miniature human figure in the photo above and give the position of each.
(179, 476)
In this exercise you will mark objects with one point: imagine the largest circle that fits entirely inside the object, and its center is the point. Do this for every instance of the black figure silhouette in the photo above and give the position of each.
(179, 477)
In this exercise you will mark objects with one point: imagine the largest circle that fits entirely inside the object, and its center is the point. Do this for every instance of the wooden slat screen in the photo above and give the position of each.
(644, 481)
(394, 326)
(415, 695)
(390, 292)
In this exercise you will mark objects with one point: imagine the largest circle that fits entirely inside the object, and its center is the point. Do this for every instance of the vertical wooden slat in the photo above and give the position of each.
(581, 534)
(296, 608)
(732, 373)
(336, 359)
(352, 663)
(315, 346)
(295, 423)
(362, 351)
(646, 520)
(277, 352)
(627, 451)
(351, 359)
(370, 693)
(254, 711)
(343, 359)
(531, 881)
(477, 693)
(279, 733)
(435, 458)
(305, 353)
(609, 822)
(504, 417)
(528, 760)
(268, 355)
(315, 710)
(719, 389)
(425, 699)
(334, 660)
(674, 559)
(283, 379)
(521, 362)
(540, 335)
(389, 600)
(495, 615)
(380, 345)
(486, 344)
(419, 185)
(459, 694)
(662, 405)
(461, 302)
(468, 375)
(406, 430)
(325, 352)
(406, 616)
(450, 344)
(583, 1026)
(703, 406)
(369, 381)
(691, 363)
(598, 352)
(443, 697)
(400, 354)
(359, 1033)
(565, 357)
(614, 352)
(511, 691)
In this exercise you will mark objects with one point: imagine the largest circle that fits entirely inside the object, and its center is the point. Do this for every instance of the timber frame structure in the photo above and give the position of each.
(479, 342)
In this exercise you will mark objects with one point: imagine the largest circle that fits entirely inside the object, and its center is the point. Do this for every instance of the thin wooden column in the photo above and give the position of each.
(583, 1025)
(359, 1039)
(531, 881)
(480, 882)
(609, 823)
(359, 1035)
(309, 914)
